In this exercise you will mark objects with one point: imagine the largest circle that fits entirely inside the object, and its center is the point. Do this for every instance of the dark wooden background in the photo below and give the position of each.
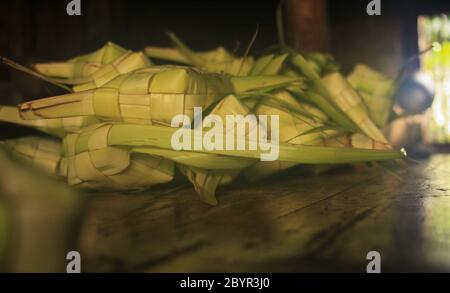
(40, 29)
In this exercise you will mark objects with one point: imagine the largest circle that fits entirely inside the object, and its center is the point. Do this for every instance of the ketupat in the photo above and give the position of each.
(95, 69)
(87, 162)
(41, 153)
(315, 91)
(377, 91)
(218, 60)
(332, 94)
(311, 67)
(82, 66)
(296, 120)
(352, 104)
(277, 84)
(304, 129)
(94, 181)
(129, 62)
(274, 64)
(222, 61)
(322, 63)
(58, 127)
(127, 171)
(206, 180)
(102, 141)
(151, 95)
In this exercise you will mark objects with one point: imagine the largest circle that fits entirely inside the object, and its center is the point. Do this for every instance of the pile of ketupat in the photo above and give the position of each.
(113, 130)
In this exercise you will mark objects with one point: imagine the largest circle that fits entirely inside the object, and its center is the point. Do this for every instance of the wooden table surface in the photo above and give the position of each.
(293, 222)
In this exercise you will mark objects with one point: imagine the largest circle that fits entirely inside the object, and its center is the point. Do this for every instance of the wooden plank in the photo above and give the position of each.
(294, 222)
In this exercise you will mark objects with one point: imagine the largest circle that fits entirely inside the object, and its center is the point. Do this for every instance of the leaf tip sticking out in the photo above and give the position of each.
(249, 47)
(31, 72)
(280, 26)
